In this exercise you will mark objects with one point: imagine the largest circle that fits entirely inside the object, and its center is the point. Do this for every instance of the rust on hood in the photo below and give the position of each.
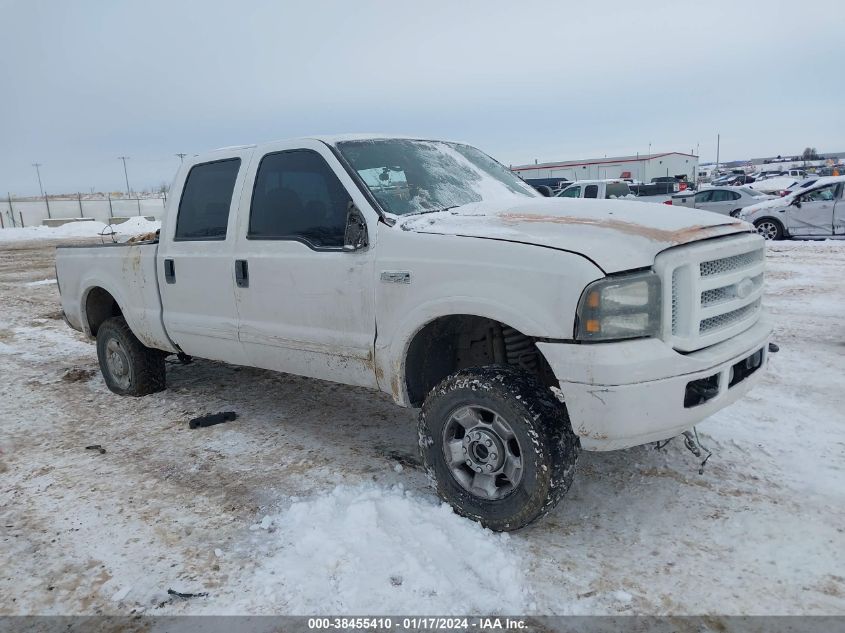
(677, 236)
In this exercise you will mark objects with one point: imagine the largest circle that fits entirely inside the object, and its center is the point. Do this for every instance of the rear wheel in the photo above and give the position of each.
(498, 445)
(129, 367)
(770, 229)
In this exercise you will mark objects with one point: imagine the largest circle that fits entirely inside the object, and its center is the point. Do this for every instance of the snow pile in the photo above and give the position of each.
(133, 226)
(367, 550)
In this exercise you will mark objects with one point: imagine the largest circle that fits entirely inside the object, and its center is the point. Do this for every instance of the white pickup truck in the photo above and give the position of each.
(526, 328)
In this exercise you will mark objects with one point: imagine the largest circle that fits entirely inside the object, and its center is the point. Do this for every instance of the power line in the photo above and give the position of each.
(125, 173)
(181, 157)
(38, 171)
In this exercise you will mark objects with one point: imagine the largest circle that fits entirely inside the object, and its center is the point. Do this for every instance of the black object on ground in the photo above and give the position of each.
(212, 418)
(773, 348)
(96, 447)
(179, 594)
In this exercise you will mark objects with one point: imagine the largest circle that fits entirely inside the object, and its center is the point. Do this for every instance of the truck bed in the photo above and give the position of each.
(127, 272)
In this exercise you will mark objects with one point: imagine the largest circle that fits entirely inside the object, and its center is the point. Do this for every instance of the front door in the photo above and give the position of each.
(196, 255)
(306, 306)
(815, 215)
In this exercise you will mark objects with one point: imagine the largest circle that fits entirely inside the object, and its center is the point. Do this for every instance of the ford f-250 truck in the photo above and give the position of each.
(526, 328)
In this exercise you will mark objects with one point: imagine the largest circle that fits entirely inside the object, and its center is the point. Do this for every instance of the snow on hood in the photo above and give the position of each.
(618, 235)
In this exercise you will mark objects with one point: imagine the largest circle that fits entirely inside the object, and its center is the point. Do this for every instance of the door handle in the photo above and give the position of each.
(169, 271)
(242, 273)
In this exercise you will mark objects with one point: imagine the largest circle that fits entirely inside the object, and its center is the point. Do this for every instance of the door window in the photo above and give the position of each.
(591, 191)
(298, 197)
(572, 192)
(824, 194)
(206, 198)
(720, 195)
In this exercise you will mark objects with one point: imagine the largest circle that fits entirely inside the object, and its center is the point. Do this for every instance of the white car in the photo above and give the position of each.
(724, 200)
(525, 328)
(813, 212)
(773, 186)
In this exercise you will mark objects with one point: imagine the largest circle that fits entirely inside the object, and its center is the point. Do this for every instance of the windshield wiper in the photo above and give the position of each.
(423, 212)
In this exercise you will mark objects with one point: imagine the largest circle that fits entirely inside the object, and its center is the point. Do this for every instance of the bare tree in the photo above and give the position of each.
(810, 154)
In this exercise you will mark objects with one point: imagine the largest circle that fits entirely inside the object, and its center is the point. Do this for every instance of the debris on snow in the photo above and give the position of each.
(211, 419)
(179, 594)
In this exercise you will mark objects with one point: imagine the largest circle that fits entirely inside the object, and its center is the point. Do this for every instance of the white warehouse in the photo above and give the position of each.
(642, 167)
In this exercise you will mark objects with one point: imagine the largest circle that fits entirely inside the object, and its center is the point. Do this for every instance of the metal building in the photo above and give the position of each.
(641, 167)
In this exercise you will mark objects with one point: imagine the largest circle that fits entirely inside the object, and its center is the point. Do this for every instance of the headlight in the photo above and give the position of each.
(627, 306)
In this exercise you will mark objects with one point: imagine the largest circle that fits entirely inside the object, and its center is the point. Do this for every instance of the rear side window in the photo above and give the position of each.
(591, 191)
(206, 198)
(617, 190)
(297, 196)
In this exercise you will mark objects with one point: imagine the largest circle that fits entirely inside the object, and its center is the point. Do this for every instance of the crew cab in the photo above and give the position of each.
(607, 189)
(525, 328)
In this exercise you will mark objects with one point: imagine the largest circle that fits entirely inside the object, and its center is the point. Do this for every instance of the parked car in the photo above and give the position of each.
(724, 200)
(816, 211)
(526, 328)
(773, 186)
(603, 189)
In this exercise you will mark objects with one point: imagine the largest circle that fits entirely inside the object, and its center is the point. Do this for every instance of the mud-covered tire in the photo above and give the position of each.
(129, 367)
(539, 422)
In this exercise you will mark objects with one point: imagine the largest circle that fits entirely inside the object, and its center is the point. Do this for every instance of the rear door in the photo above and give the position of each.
(306, 306)
(196, 255)
(721, 201)
(815, 215)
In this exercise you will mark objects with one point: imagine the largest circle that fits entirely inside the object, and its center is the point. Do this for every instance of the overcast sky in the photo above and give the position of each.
(83, 82)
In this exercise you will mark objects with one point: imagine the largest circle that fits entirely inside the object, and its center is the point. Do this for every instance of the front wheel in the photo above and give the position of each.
(769, 229)
(498, 446)
(129, 367)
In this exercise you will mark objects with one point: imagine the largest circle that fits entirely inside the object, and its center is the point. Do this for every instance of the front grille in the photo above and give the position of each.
(728, 318)
(675, 284)
(713, 289)
(728, 264)
(725, 293)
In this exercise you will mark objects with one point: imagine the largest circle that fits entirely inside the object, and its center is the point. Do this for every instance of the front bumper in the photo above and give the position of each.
(633, 392)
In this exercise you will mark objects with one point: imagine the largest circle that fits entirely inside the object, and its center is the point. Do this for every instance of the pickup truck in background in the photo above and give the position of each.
(661, 186)
(609, 189)
(525, 328)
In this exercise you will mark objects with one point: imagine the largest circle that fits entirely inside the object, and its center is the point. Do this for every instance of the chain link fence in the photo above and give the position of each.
(34, 211)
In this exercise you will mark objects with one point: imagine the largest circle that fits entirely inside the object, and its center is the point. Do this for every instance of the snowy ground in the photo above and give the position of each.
(312, 500)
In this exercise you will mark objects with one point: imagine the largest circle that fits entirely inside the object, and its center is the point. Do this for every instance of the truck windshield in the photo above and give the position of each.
(410, 176)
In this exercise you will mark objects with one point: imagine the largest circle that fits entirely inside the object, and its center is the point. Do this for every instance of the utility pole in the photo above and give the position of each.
(38, 171)
(181, 157)
(125, 173)
(718, 140)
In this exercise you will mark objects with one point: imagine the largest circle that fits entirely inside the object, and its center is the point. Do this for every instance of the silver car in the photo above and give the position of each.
(724, 200)
(818, 211)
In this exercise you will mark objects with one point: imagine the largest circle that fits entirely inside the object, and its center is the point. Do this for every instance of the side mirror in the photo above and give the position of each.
(796, 202)
(355, 238)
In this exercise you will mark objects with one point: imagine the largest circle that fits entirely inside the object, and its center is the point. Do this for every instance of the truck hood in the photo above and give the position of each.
(615, 234)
